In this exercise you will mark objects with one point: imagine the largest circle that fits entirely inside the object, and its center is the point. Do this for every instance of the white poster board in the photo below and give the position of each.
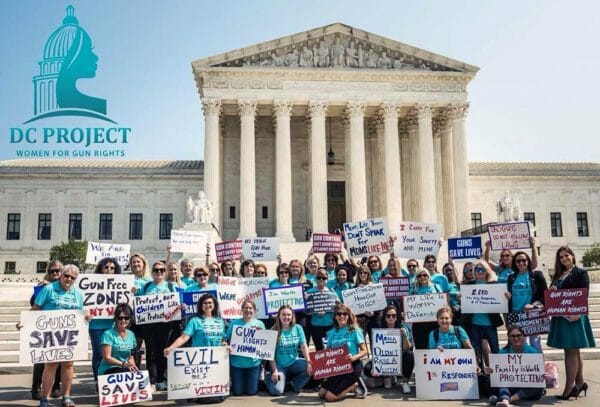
(53, 336)
(365, 298)
(253, 343)
(188, 241)
(366, 237)
(517, 370)
(447, 375)
(292, 295)
(417, 240)
(233, 291)
(514, 235)
(98, 251)
(198, 372)
(423, 307)
(483, 298)
(260, 248)
(164, 307)
(103, 292)
(118, 389)
(387, 352)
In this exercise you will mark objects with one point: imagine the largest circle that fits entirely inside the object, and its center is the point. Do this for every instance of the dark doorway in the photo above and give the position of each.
(336, 205)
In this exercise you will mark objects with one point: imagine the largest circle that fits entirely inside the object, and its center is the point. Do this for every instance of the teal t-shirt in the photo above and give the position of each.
(376, 275)
(440, 280)
(286, 351)
(101, 323)
(140, 282)
(312, 278)
(521, 292)
(503, 273)
(453, 294)
(448, 340)
(339, 288)
(53, 297)
(243, 361)
(120, 348)
(276, 284)
(481, 319)
(428, 289)
(340, 337)
(205, 331)
(152, 288)
(526, 349)
(321, 320)
(188, 281)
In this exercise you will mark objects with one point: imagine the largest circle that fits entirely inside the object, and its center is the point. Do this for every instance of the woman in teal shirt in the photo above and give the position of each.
(341, 283)
(118, 344)
(321, 322)
(423, 285)
(446, 335)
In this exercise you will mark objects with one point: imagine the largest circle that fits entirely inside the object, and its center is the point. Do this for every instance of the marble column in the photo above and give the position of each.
(415, 181)
(405, 171)
(358, 188)
(212, 158)
(448, 175)
(425, 165)
(391, 155)
(461, 167)
(247, 109)
(437, 159)
(378, 166)
(317, 110)
(283, 171)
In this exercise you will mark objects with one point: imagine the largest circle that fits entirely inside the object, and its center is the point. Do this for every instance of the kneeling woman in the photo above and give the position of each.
(345, 332)
(287, 365)
(118, 344)
(448, 336)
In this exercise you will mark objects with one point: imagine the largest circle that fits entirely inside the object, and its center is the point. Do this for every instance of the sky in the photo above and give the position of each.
(535, 98)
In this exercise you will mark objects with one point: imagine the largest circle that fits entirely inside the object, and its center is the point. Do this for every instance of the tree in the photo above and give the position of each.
(592, 256)
(72, 252)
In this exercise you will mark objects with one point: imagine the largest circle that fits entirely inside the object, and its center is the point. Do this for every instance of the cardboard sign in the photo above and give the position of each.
(423, 307)
(395, 287)
(326, 243)
(292, 295)
(198, 372)
(447, 375)
(261, 248)
(320, 302)
(517, 370)
(118, 389)
(483, 298)
(464, 247)
(365, 298)
(569, 301)
(103, 292)
(254, 343)
(331, 362)
(511, 236)
(233, 291)
(53, 336)
(165, 307)
(417, 240)
(230, 250)
(188, 241)
(98, 251)
(189, 301)
(532, 322)
(367, 237)
(387, 352)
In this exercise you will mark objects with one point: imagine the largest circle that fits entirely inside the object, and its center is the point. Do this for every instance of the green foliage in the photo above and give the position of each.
(72, 252)
(592, 256)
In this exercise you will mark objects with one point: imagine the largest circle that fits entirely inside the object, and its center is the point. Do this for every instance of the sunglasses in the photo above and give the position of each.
(55, 271)
(447, 270)
(213, 270)
(479, 270)
(284, 272)
(260, 273)
(341, 314)
(390, 315)
(201, 275)
(423, 276)
(109, 267)
(411, 266)
(322, 278)
(123, 318)
(373, 261)
(159, 270)
(69, 277)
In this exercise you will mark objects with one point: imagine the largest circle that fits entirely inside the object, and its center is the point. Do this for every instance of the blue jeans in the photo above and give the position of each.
(244, 380)
(523, 393)
(96, 339)
(295, 373)
(478, 333)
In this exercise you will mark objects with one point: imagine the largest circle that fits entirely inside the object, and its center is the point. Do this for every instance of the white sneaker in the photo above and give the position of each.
(162, 386)
(405, 388)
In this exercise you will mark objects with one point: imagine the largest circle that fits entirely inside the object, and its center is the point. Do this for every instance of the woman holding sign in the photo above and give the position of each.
(571, 332)
(322, 322)
(141, 271)
(118, 344)
(421, 330)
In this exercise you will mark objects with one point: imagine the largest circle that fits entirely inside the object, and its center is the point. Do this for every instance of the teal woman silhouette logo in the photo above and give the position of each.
(68, 57)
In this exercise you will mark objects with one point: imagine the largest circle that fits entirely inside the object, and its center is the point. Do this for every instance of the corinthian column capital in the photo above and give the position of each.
(459, 111)
(212, 106)
(423, 110)
(317, 108)
(356, 109)
(282, 108)
(247, 107)
(389, 111)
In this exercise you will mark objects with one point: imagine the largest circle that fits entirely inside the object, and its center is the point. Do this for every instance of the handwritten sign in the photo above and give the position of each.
(464, 247)
(230, 250)
(234, 291)
(198, 372)
(395, 287)
(365, 298)
(320, 302)
(517, 370)
(447, 375)
(103, 292)
(367, 237)
(331, 362)
(326, 243)
(188, 241)
(423, 307)
(483, 298)
(53, 336)
(569, 301)
(118, 389)
(254, 343)
(189, 301)
(261, 248)
(292, 295)
(387, 352)
(417, 240)
(511, 236)
(98, 251)
(153, 308)
(532, 322)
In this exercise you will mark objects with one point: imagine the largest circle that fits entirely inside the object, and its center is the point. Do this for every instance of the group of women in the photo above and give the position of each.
(116, 343)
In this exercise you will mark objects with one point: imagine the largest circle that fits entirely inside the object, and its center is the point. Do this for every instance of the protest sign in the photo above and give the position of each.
(322, 301)
(292, 295)
(330, 362)
(365, 298)
(417, 240)
(188, 241)
(532, 322)
(483, 298)
(387, 352)
(447, 375)
(198, 372)
(230, 250)
(254, 343)
(260, 248)
(367, 237)
(464, 247)
(423, 307)
(98, 251)
(164, 307)
(511, 236)
(569, 301)
(326, 243)
(118, 389)
(189, 301)
(233, 291)
(517, 370)
(103, 292)
(53, 336)
(395, 287)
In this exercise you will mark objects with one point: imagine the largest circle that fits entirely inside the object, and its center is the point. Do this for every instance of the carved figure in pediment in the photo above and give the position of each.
(322, 55)
(424, 67)
(306, 57)
(361, 56)
(274, 61)
(371, 59)
(292, 59)
(351, 56)
(337, 54)
(384, 62)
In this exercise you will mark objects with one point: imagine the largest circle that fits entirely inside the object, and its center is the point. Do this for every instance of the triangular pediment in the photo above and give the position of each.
(335, 46)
